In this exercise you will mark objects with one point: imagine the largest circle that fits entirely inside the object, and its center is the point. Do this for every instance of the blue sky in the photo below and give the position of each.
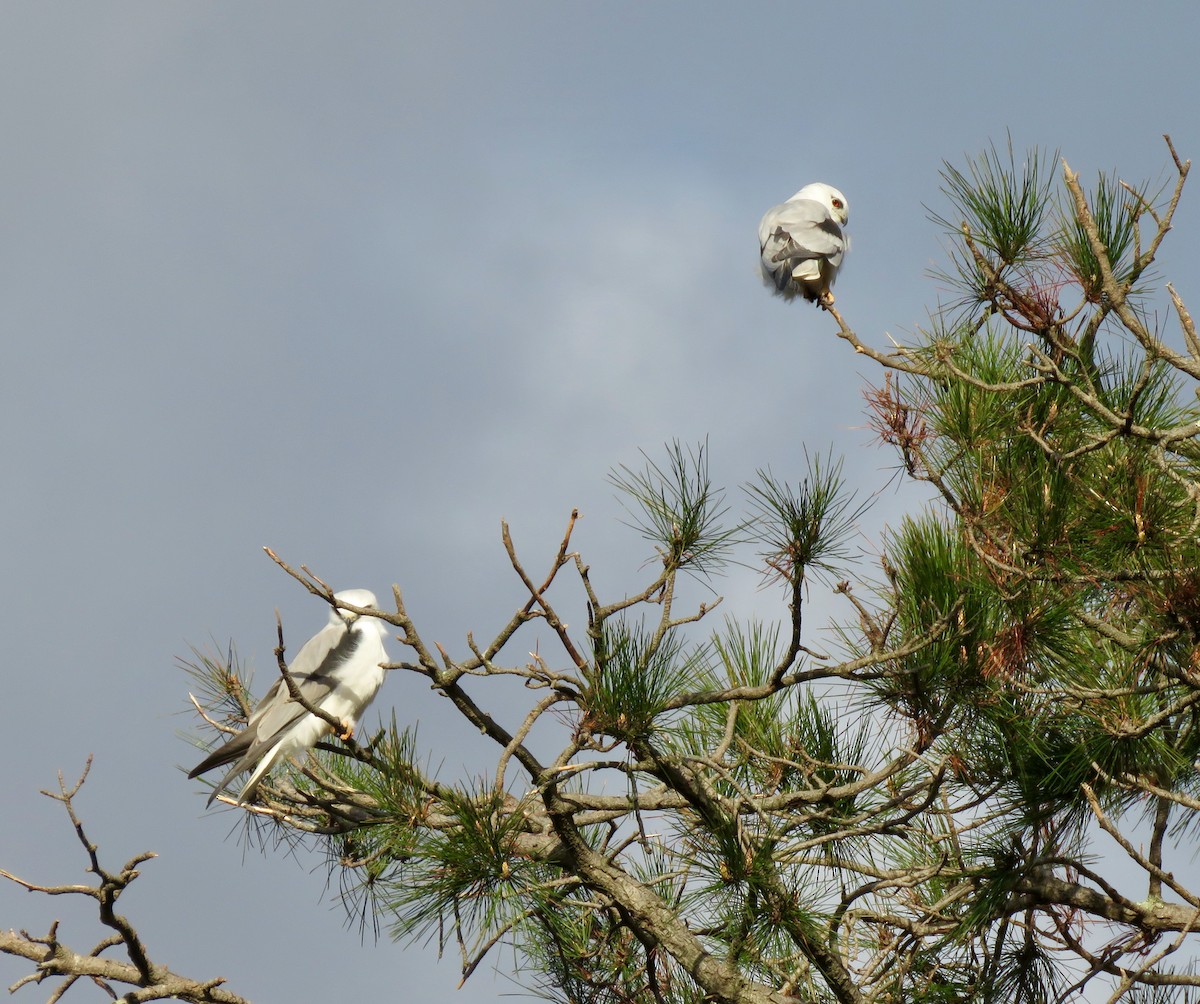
(356, 281)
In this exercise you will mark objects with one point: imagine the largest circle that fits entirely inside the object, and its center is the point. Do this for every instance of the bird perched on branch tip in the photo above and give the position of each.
(801, 243)
(339, 670)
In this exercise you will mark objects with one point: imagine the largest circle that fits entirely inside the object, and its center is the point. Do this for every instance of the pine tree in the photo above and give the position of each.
(987, 793)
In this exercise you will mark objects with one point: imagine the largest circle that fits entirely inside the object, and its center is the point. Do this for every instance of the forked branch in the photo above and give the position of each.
(56, 961)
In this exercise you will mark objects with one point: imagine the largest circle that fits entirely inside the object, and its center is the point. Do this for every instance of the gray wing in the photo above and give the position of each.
(798, 231)
(314, 671)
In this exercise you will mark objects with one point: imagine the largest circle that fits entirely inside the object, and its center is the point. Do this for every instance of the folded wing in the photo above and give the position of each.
(337, 670)
(801, 248)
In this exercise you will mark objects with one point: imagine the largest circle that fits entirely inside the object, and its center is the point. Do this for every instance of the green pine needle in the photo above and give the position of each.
(806, 527)
(676, 507)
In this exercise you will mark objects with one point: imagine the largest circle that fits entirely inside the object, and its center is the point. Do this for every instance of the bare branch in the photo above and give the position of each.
(53, 959)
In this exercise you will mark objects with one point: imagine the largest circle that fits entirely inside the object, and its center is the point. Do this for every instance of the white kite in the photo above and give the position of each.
(802, 243)
(339, 670)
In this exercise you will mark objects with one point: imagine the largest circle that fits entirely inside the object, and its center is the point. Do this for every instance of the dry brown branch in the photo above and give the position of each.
(537, 595)
(54, 960)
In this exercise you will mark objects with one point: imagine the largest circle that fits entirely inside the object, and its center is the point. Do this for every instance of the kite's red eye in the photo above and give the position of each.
(837, 203)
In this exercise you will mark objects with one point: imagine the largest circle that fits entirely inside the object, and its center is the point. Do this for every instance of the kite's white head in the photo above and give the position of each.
(356, 598)
(829, 197)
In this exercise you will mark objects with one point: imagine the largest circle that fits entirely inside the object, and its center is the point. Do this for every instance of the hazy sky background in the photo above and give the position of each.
(356, 281)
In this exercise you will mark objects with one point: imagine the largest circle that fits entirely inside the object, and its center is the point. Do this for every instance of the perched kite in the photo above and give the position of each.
(338, 671)
(802, 243)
